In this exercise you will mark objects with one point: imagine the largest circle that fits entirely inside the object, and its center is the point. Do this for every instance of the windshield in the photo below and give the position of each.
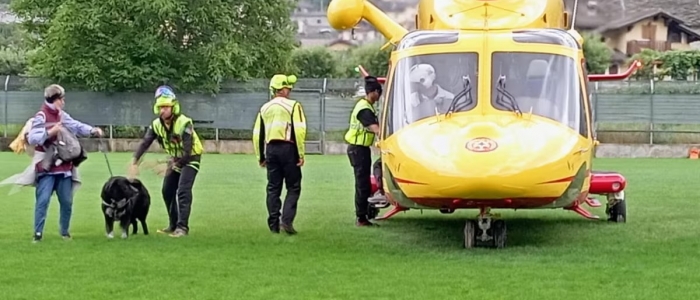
(426, 85)
(546, 84)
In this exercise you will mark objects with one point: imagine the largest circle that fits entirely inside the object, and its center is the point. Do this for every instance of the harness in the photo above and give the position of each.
(116, 209)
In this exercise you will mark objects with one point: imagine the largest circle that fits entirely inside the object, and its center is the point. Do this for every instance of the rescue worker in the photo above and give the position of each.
(360, 136)
(176, 135)
(279, 137)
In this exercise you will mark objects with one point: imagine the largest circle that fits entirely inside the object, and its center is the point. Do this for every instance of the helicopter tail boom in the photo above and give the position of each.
(346, 14)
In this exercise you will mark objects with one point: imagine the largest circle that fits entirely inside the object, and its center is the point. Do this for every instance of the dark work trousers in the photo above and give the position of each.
(177, 193)
(361, 162)
(281, 160)
(377, 170)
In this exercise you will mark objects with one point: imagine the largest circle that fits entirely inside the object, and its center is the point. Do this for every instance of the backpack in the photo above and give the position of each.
(68, 147)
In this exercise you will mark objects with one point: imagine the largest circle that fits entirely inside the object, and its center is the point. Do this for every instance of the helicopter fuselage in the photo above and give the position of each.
(521, 136)
(486, 106)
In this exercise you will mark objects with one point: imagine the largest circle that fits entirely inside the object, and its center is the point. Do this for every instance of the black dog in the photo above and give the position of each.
(127, 201)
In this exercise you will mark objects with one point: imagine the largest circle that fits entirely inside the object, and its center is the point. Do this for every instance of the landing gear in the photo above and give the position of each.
(616, 208)
(376, 203)
(485, 231)
(372, 212)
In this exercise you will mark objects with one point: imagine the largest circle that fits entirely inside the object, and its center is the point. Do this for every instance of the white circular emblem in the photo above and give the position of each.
(481, 145)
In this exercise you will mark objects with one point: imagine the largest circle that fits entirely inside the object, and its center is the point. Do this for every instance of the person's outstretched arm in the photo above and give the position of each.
(76, 127)
(146, 142)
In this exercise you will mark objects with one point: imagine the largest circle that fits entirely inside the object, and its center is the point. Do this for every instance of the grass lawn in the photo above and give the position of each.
(230, 254)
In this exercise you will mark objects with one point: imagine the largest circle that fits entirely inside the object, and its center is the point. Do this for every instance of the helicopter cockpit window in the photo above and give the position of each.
(546, 84)
(431, 84)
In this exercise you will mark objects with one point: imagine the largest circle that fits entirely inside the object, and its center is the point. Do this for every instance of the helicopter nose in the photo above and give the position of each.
(486, 159)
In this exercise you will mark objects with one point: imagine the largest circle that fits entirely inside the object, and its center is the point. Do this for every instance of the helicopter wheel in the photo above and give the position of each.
(499, 233)
(470, 234)
(616, 208)
(617, 212)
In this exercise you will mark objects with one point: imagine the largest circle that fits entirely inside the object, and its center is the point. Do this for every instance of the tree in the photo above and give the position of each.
(374, 60)
(120, 45)
(316, 62)
(13, 60)
(597, 54)
(649, 59)
(678, 63)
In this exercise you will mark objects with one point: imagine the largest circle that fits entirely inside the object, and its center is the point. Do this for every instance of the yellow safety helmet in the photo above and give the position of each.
(280, 81)
(166, 97)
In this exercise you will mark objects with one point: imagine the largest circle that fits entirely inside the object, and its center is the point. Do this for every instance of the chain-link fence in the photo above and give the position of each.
(624, 112)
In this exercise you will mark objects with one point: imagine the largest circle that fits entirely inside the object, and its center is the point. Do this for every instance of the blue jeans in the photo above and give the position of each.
(46, 185)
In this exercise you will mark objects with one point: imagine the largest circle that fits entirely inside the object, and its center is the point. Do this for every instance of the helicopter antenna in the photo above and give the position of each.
(573, 17)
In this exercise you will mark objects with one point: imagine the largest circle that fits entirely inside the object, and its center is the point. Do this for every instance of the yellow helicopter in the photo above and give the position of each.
(487, 106)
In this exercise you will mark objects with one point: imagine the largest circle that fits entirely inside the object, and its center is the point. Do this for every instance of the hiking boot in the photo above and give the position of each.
(289, 229)
(274, 224)
(67, 237)
(362, 222)
(178, 233)
(37, 237)
(166, 230)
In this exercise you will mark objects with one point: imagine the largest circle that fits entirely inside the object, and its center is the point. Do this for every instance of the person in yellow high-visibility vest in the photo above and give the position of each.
(279, 135)
(175, 133)
(360, 136)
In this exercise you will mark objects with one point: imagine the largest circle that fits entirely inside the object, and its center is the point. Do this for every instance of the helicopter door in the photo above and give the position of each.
(587, 98)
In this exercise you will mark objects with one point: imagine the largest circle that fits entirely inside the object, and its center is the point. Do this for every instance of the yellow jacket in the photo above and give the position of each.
(279, 119)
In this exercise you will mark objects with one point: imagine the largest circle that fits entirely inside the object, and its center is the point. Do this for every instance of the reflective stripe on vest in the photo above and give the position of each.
(172, 142)
(357, 134)
(277, 117)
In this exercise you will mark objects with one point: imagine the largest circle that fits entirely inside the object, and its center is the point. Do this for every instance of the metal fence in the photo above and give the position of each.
(647, 108)
(653, 112)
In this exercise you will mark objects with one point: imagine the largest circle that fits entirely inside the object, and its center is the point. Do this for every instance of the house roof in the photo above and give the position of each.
(690, 31)
(605, 10)
(618, 57)
(634, 18)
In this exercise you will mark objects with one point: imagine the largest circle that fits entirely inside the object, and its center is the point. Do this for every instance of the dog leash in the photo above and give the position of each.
(103, 149)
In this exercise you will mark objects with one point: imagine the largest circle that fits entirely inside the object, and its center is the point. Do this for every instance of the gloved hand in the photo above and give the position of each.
(175, 163)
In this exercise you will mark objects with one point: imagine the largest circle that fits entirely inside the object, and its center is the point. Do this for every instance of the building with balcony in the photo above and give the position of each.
(628, 26)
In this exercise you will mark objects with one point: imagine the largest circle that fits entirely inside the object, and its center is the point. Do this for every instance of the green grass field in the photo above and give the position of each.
(230, 254)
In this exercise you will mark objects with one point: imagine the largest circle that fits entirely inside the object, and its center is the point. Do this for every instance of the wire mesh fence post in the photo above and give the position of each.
(6, 116)
(651, 112)
(323, 116)
(7, 106)
(595, 110)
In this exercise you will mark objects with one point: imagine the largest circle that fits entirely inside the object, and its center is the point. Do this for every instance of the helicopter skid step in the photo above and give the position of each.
(394, 210)
(593, 202)
(582, 211)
